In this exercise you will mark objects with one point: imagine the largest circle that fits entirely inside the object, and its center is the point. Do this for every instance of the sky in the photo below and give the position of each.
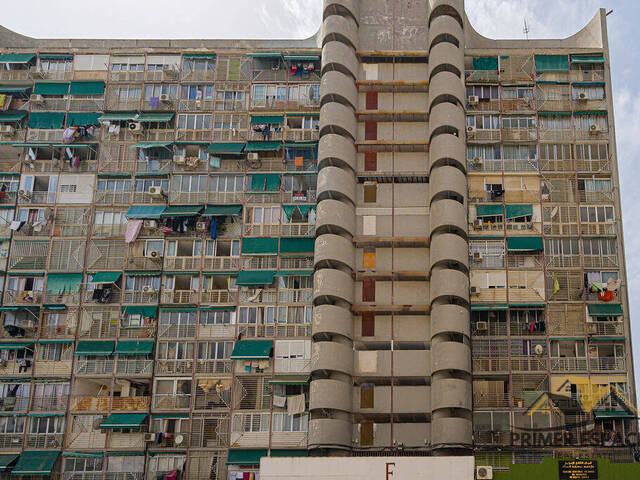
(302, 18)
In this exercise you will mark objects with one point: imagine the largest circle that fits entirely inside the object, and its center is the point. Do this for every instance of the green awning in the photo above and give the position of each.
(263, 146)
(290, 380)
(299, 273)
(587, 58)
(124, 454)
(262, 277)
(489, 210)
(246, 457)
(45, 415)
(184, 309)
(591, 112)
(103, 348)
(605, 310)
(48, 120)
(488, 308)
(9, 309)
(133, 347)
(117, 117)
(145, 212)
(229, 308)
(302, 58)
(150, 145)
(252, 350)
(143, 273)
(554, 114)
(517, 211)
(289, 453)
(60, 283)
(265, 55)
(87, 88)
(17, 57)
(114, 175)
(199, 55)
(267, 119)
(154, 117)
(106, 277)
(263, 182)
(81, 455)
(54, 342)
(54, 306)
(525, 244)
(527, 305)
(485, 63)
(13, 89)
(168, 416)
(75, 119)
(14, 345)
(54, 56)
(51, 88)
(145, 311)
(297, 245)
(552, 63)
(221, 210)
(613, 414)
(182, 211)
(259, 246)
(7, 460)
(36, 462)
(226, 148)
(124, 420)
(12, 116)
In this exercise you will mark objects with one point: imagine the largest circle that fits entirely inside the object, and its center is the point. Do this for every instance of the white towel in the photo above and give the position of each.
(295, 404)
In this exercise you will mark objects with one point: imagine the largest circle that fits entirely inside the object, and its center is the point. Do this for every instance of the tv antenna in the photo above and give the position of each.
(525, 30)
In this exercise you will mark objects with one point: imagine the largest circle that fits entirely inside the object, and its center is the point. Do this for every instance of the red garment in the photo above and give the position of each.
(606, 296)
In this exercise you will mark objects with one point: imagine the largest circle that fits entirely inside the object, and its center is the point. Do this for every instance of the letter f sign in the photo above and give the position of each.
(390, 466)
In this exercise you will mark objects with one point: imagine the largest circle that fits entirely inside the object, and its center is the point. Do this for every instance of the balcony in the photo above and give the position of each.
(176, 331)
(180, 297)
(301, 295)
(173, 367)
(519, 134)
(301, 135)
(491, 400)
(528, 363)
(113, 102)
(66, 298)
(131, 403)
(220, 263)
(568, 364)
(481, 76)
(225, 197)
(11, 441)
(44, 135)
(14, 404)
(260, 263)
(188, 197)
(493, 329)
(113, 198)
(49, 403)
(126, 441)
(484, 105)
(182, 263)
(218, 296)
(490, 364)
(95, 329)
(90, 404)
(196, 105)
(607, 364)
(258, 296)
(262, 229)
(483, 135)
(115, 230)
(53, 367)
(49, 104)
(171, 401)
(45, 440)
(92, 367)
(298, 229)
(605, 329)
(216, 331)
(134, 367)
(15, 297)
(86, 104)
(87, 439)
(293, 331)
(37, 198)
(139, 297)
(159, 166)
(583, 134)
(143, 263)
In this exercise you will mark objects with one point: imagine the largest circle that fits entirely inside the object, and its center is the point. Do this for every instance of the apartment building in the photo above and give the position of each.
(396, 237)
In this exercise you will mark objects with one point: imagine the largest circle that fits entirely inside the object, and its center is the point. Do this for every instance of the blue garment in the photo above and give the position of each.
(214, 229)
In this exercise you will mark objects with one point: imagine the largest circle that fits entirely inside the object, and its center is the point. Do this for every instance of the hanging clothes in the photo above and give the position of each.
(133, 230)
(295, 404)
(606, 296)
(214, 229)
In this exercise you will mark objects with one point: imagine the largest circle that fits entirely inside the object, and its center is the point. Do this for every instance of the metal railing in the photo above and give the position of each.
(568, 364)
(134, 367)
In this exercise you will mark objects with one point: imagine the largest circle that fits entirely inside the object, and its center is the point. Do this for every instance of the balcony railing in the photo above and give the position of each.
(605, 328)
(180, 296)
(176, 331)
(138, 297)
(93, 367)
(131, 403)
(220, 263)
(182, 263)
(213, 366)
(302, 295)
(171, 400)
(45, 440)
(174, 367)
(490, 400)
(298, 229)
(260, 263)
(14, 404)
(568, 364)
(607, 364)
(528, 363)
(134, 367)
(218, 296)
(11, 441)
(494, 364)
(20, 297)
(53, 367)
(216, 331)
(89, 404)
(49, 403)
(301, 330)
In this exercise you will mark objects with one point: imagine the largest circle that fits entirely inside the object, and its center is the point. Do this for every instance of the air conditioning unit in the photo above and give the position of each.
(149, 437)
(7, 130)
(477, 257)
(156, 192)
(148, 290)
(153, 254)
(36, 98)
(582, 97)
(593, 129)
(477, 224)
(484, 473)
(150, 224)
(478, 161)
(252, 156)
(474, 100)
(475, 291)
(482, 326)
(26, 194)
(135, 127)
(165, 98)
(179, 159)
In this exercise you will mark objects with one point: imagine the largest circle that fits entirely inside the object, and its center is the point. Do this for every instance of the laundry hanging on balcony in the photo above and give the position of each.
(133, 230)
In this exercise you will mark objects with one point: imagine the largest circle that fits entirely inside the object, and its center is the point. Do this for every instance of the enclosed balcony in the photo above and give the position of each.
(54, 358)
(171, 394)
(94, 358)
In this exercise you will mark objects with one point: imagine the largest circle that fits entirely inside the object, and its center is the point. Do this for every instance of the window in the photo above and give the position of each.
(222, 248)
(47, 425)
(370, 161)
(369, 290)
(68, 188)
(554, 122)
(51, 65)
(372, 101)
(592, 151)
(370, 130)
(305, 94)
(127, 92)
(367, 396)
(594, 214)
(520, 152)
(198, 65)
(217, 318)
(283, 422)
(138, 283)
(594, 185)
(488, 254)
(13, 425)
(189, 183)
(517, 121)
(295, 315)
(484, 122)
(294, 282)
(214, 350)
(6, 216)
(52, 352)
(368, 325)
(484, 93)
(145, 185)
(257, 315)
(486, 152)
(513, 93)
(226, 183)
(121, 66)
(251, 422)
(194, 121)
(114, 185)
(264, 215)
(370, 192)
(584, 122)
(561, 246)
(553, 151)
(590, 92)
(83, 465)
(230, 100)
(567, 348)
(154, 91)
(599, 247)
(102, 217)
(196, 92)
(174, 351)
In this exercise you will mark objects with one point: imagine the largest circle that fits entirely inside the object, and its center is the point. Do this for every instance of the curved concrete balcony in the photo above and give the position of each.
(332, 249)
(448, 214)
(337, 150)
(451, 393)
(333, 285)
(449, 283)
(449, 319)
(336, 216)
(330, 394)
(332, 356)
(451, 431)
(448, 149)
(337, 184)
(340, 57)
(446, 54)
(452, 8)
(329, 432)
(340, 29)
(445, 25)
(451, 356)
(339, 119)
(449, 247)
(446, 114)
(341, 7)
(446, 86)
(332, 320)
(338, 87)
(445, 181)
